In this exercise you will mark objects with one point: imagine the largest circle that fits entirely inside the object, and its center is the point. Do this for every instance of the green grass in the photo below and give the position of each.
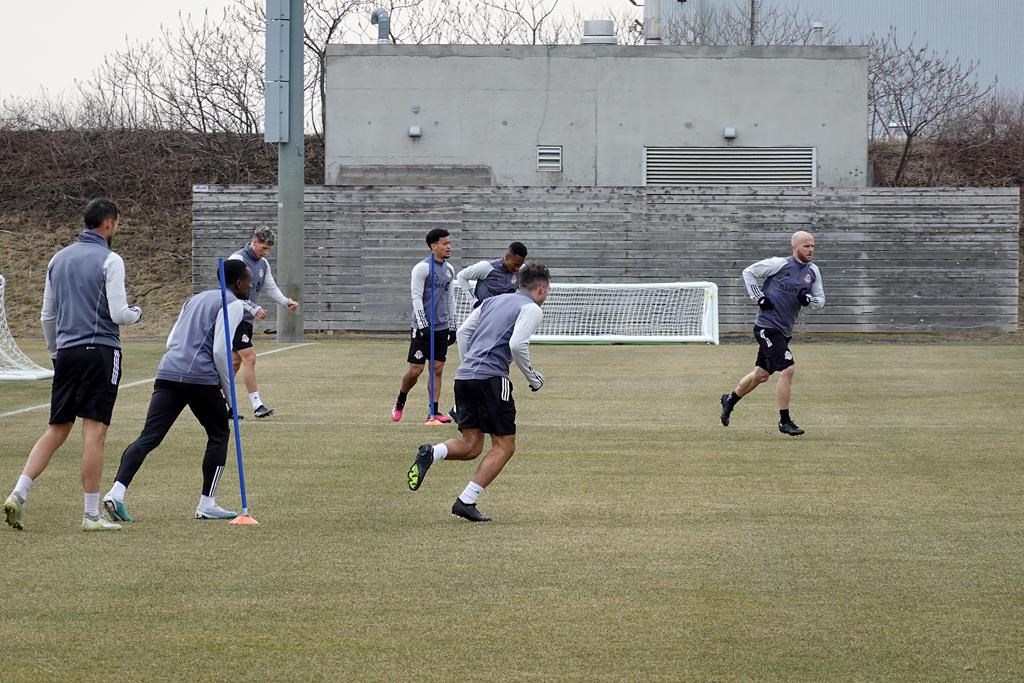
(633, 538)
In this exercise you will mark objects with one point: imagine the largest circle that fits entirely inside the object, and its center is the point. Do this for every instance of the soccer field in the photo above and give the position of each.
(634, 538)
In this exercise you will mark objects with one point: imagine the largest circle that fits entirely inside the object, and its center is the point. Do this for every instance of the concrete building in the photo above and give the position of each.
(987, 32)
(596, 115)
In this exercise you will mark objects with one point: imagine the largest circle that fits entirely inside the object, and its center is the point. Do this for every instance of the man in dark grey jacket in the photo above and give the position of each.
(84, 302)
(788, 285)
(193, 373)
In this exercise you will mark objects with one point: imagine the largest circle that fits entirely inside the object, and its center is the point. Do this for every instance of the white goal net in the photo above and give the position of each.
(640, 313)
(13, 363)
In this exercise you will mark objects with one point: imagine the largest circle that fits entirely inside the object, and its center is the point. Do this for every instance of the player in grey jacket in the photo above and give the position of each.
(194, 372)
(493, 337)
(789, 284)
(497, 276)
(433, 305)
(254, 255)
(84, 302)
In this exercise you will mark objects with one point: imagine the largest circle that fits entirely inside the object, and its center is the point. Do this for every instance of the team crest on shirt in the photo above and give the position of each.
(807, 278)
(261, 272)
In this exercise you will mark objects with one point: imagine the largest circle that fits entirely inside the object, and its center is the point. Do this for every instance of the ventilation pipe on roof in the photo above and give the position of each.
(598, 32)
(652, 22)
(382, 20)
(817, 33)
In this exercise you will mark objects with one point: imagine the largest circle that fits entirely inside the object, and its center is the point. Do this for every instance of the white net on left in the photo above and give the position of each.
(14, 364)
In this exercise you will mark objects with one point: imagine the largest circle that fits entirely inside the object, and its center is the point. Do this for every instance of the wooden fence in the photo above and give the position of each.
(891, 259)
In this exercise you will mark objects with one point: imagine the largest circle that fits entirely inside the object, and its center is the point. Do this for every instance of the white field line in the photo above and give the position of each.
(19, 411)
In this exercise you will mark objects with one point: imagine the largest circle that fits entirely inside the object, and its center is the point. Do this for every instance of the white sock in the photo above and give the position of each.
(440, 452)
(23, 486)
(206, 502)
(255, 398)
(117, 491)
(92, 504)
(471, 493)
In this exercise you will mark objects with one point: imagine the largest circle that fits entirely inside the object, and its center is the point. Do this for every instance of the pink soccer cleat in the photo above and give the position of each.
(396, 412)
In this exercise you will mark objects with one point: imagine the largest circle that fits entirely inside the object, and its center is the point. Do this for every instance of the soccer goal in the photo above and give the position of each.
(13, 363)
(637, 313)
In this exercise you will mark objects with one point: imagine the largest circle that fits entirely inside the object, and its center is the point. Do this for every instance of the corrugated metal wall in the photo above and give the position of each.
(987, 31)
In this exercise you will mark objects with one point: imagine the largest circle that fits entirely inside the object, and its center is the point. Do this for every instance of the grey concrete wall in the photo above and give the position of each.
(891, 259)
(490, 106)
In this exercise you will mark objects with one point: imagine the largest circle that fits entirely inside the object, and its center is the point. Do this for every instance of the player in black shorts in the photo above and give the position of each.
(84, 301)
(492, 337)
(433, 307)
(789, 284)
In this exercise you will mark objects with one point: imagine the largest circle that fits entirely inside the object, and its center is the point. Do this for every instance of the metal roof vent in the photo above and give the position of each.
(598, 32)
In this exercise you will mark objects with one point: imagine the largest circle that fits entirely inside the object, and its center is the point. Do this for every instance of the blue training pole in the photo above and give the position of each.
(430, 320)
(231, 381)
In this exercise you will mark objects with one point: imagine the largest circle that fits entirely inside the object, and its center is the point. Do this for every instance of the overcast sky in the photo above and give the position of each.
(48, 44)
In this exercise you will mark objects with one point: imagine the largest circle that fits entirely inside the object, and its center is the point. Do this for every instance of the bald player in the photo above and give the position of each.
(781, 286)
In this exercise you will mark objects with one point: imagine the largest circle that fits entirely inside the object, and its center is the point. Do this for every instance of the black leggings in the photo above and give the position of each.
(169, 399)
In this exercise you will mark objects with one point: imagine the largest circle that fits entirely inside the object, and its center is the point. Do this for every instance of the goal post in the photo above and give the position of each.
(13, 363)
(623, 313)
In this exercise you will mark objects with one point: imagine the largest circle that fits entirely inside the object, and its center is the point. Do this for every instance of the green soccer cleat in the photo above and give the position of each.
(116, 511)
(418, 470)
(99, 523)
(13, 509)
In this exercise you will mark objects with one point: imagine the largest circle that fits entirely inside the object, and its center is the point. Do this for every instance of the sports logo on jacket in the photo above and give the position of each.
(808, 277)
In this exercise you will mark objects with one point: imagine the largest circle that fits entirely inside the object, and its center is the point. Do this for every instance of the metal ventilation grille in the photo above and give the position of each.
(549, 158)
(791, 166)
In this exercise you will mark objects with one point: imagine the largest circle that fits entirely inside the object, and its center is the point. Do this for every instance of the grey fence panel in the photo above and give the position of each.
(891, 259)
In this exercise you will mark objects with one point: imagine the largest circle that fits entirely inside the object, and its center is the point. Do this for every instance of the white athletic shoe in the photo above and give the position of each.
(214, 512)
(98, 524)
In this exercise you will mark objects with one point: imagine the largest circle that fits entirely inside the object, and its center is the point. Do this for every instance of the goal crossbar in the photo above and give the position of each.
(623, 313)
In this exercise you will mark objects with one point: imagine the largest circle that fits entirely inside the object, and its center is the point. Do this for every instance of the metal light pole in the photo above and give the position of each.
(284, 126)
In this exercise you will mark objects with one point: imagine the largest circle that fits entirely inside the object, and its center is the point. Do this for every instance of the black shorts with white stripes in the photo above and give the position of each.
(486, 404)
(85, 381)
(773, 354)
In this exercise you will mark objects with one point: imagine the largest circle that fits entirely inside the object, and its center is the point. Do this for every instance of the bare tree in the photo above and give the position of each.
(914, 92)
(748, 22)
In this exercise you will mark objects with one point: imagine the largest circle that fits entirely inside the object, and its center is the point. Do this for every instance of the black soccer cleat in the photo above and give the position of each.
(418, 469)
(790, 428)
(468, 511)
(726, 410)
(262, 411)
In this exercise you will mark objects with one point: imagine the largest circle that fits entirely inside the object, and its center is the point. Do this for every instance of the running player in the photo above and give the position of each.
(254, 255)
(493, 336)
(84, 301)
(789, 285)
(424, 289)
(194, 373)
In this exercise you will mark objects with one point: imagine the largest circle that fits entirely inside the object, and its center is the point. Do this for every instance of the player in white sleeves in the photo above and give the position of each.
(494, 336)
(789, 284)
(254, 255)
(193, 373)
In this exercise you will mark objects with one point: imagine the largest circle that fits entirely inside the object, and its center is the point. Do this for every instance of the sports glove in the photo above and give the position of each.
(452, 338)
(804, 297)
(537, 381)
(420, 332)
(765, 304)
